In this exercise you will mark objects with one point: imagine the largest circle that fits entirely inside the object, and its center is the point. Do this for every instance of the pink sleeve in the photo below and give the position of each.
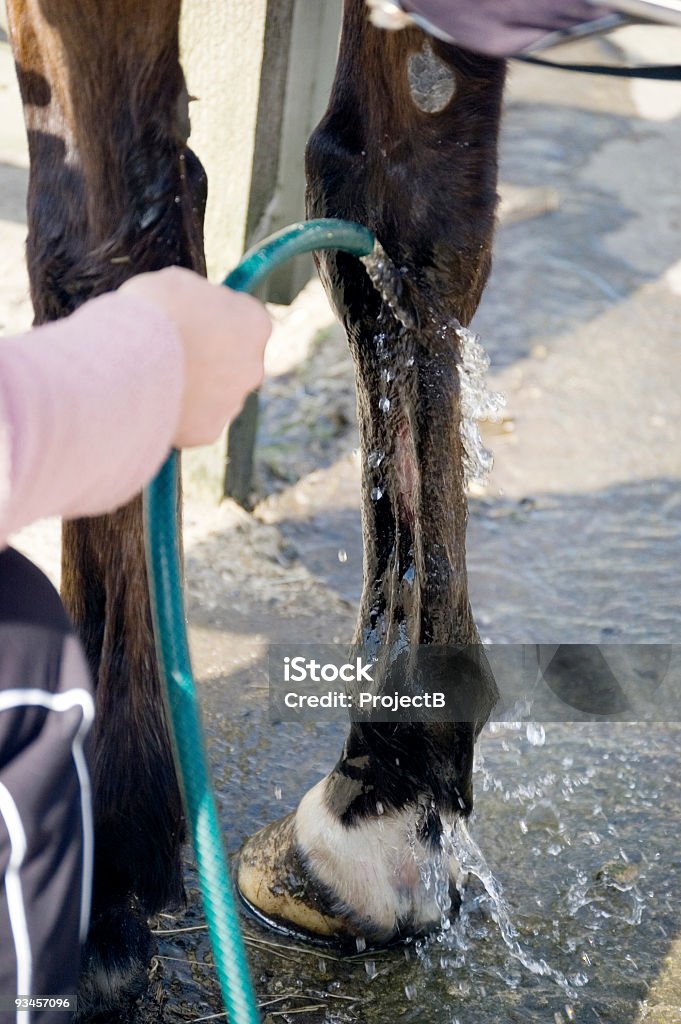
(88, 409)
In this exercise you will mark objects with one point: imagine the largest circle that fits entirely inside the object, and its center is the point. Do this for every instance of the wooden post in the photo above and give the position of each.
(262, 71)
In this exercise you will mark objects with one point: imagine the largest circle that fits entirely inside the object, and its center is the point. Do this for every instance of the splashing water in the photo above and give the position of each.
(434, 872)
(458, 842)
(387, 281)
(477, 403)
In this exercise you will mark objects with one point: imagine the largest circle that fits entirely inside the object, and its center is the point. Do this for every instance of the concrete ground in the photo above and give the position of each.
(577, 537)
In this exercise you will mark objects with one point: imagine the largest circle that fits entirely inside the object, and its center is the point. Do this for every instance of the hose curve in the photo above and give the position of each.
(164, 570)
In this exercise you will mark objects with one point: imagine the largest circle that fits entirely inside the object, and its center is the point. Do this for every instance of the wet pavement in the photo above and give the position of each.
(577, 538)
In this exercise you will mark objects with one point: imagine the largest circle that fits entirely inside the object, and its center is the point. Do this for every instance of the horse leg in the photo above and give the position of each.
(408, 146)
(113, 191)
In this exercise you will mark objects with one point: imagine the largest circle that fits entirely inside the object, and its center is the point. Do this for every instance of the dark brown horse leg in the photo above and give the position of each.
(113, 191)
(408, 147)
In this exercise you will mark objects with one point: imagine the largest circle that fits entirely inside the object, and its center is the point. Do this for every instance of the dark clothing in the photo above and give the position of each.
(46, 836)
(501, 28)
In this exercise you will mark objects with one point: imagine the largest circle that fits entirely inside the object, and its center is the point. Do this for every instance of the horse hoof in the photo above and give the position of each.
(115, 964)
(277, 886)
(378, 879)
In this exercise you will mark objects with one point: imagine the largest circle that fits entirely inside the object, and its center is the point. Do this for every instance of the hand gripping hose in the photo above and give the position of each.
(165, 584)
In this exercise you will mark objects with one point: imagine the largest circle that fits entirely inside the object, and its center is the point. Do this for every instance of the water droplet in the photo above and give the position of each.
(376, 493)
(360, 943)
(536, 734)
(342, 555)
(370, 968)
(379, 807)
(384, 404)
(410, 991)
(277, 792)
(375, 459)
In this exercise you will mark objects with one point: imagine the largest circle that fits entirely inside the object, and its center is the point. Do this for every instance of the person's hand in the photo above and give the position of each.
(223, 335)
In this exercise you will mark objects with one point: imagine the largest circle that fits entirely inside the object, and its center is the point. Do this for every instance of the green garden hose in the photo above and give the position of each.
(165, 584)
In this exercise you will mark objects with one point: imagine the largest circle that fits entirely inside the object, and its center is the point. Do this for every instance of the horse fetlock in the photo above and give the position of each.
(114, 964)
(383, 877)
